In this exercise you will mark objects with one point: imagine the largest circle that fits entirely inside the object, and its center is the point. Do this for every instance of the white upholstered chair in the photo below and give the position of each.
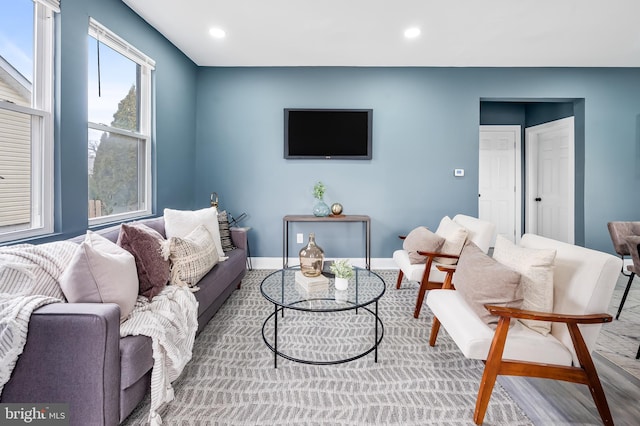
(479, 231)
(584, 280)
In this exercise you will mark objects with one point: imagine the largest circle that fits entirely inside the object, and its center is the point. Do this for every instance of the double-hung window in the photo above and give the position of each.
(26, 123)
(119, 139)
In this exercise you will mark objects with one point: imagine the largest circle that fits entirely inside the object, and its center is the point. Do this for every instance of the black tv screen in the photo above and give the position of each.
(327, 133)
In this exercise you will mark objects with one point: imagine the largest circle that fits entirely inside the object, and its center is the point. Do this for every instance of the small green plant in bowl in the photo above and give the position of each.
(342, 269)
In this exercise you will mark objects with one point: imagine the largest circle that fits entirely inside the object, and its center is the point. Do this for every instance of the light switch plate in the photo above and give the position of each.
(299, 239)
(458, 172)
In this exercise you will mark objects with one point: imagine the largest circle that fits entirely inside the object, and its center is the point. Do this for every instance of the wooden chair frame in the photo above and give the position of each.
(585, 374)
(425, 284)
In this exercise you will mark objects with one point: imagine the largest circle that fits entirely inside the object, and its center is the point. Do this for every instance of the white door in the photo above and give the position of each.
(550, 179)
(499, 179)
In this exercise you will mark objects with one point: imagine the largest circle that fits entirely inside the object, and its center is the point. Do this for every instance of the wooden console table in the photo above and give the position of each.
(366, 220)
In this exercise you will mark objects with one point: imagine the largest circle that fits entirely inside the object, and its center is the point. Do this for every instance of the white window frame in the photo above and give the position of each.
(147, 66)
(41, 111)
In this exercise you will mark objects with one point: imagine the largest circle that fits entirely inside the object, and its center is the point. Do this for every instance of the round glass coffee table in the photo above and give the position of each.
(365, 289)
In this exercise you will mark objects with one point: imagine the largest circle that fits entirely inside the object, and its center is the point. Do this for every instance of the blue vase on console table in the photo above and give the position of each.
(321, 209)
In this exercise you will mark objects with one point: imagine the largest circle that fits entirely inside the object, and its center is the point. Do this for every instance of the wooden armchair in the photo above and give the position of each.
(479, 231)
(584, 280)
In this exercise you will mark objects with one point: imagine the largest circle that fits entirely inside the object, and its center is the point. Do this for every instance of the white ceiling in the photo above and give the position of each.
(500, 33)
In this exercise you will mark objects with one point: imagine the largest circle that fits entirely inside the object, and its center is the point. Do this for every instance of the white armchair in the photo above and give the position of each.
(583, 283)
(479, 231)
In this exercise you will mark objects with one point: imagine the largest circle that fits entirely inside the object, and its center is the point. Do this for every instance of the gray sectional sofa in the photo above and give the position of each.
(74, 353)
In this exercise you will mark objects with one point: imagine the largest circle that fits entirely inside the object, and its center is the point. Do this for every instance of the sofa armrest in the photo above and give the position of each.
(239, 237)
(72, 355)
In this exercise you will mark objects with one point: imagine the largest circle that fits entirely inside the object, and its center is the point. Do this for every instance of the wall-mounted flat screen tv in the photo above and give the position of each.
(327, 133)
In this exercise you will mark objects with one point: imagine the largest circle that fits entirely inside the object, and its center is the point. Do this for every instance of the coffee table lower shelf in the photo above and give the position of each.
(379, 334)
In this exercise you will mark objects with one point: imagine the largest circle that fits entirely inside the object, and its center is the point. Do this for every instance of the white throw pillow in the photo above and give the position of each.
(536, 268)
(191, 257)
(101, 272)
(454, 235)
(180, 223)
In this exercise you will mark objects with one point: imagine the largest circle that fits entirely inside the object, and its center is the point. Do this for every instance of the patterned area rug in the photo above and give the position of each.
(231, 379)
(619, 340)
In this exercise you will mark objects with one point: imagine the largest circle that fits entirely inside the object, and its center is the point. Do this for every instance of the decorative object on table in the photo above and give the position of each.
(311, 258)
(341, 296)
(321, 209)
(336, 209)
(343, 271)
(214, 199)
(312, 284)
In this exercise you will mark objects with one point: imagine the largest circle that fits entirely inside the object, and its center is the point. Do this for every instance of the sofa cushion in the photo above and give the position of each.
(536, 268)
(473, 337)
(180, 223)
(145, 244)
(100, 272)
(482, 280)
(421, 239)
(192, 256)
(455, 237)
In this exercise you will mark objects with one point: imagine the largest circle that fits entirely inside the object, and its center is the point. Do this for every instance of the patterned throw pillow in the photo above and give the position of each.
(179, 223)
(192, 257)
(536, 267)
(225, 233)
(145, 244)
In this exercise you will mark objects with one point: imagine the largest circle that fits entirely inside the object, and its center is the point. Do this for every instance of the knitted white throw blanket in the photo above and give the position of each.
(28, 279)
(170, 319)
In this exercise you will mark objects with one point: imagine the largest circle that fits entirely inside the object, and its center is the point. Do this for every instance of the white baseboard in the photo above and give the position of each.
(276, 262)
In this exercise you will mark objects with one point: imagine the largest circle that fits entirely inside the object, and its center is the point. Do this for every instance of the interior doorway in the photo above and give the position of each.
(499, 179)
(538, 166)
(550, 189)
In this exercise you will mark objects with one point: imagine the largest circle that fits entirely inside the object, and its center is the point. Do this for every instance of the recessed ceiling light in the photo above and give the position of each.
(217, 32)
(412, 32)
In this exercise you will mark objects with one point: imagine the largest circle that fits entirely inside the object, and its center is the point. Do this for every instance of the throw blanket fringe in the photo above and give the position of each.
(170, 319)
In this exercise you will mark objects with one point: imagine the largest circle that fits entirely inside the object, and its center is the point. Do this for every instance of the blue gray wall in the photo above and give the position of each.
(425, 124)
(175, 94)
(221, 129)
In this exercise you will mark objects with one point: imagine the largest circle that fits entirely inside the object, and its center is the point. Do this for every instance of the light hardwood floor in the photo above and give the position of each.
(552, 402)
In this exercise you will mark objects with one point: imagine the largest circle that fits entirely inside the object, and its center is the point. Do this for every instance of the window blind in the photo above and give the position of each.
(102, 34)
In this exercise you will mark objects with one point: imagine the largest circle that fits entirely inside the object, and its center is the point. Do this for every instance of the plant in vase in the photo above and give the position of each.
(321, 209)
(343, 271)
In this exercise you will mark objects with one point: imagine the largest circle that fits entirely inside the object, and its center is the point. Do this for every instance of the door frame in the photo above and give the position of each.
(517, 208)
(531, 167)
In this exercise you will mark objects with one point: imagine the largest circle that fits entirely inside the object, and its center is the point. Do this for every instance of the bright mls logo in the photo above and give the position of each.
(34, 414)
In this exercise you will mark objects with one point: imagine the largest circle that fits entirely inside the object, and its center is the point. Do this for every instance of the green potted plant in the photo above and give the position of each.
(343, 271)
(321, 209)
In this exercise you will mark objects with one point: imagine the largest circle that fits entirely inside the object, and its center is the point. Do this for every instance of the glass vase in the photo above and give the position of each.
(321, 209)
(311, 258)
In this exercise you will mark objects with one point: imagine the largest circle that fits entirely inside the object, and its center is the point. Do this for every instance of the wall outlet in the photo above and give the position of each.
(458, 172)
(299, 238)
